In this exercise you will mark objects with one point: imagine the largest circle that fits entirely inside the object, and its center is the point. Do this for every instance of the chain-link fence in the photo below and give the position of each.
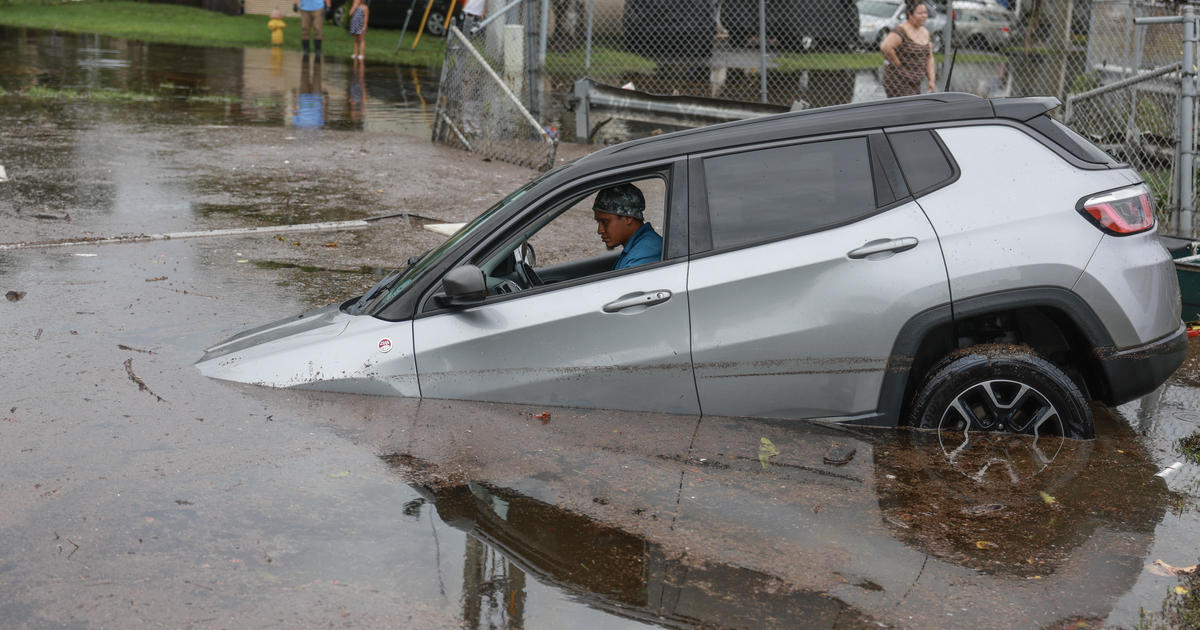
(478, 106)
(1118, 75)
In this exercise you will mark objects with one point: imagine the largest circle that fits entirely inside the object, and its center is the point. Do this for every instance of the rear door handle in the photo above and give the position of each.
(884, 245)
(637, 299)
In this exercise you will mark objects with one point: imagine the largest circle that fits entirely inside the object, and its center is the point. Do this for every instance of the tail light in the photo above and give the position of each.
(1120, 212)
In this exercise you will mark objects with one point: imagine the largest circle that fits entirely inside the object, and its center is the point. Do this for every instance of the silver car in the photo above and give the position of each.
(982, 25)
(869, 263)
(877, 18)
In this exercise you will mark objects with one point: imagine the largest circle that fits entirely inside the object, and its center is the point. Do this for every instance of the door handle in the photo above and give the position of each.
(884, 245)
(637, 299)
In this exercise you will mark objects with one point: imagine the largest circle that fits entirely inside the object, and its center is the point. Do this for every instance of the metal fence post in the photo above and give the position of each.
(1187, 134)
(532, 67)
(762, 49)
(587, 59)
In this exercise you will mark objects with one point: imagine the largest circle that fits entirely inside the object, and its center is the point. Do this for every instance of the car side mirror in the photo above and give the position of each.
(524, 254)
(463, 286)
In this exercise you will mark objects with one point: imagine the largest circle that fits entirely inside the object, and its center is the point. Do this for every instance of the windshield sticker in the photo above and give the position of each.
(385, 344)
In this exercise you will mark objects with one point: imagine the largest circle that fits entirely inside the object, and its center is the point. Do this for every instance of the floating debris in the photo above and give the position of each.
(766, 450)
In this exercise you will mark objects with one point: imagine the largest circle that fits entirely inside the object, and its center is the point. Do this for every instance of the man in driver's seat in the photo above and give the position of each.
(619, 221)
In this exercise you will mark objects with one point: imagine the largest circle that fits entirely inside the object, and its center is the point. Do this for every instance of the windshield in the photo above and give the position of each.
(396, 282)
(875, 8)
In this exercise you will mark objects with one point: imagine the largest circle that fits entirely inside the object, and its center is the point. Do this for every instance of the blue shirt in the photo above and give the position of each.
(643, 248)
(311, 5)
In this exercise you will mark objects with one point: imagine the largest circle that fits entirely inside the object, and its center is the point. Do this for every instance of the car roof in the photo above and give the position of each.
(894, 112)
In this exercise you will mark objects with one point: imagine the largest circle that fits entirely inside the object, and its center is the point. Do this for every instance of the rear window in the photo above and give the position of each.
(922, 160)
(1074, 143)
(771, 193)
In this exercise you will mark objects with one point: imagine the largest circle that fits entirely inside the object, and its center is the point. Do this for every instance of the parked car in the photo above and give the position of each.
(683, 29)
(793, 24)
(877, 18)
(393, 13)
(982, 24)
(863, 263)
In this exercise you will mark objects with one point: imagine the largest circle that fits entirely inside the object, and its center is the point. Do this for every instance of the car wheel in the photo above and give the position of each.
(883, 33)
(339, 15)
(936, 40)
(435, 25)
(1001, 388)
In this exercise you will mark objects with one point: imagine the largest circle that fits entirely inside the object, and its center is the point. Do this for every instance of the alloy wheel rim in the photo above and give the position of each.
(1001, 427)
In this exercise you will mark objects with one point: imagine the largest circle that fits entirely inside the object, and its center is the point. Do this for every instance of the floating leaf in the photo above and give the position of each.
(766, 450)
(340, 474)
(985, 544)
(1047, 498)
(1158, 567)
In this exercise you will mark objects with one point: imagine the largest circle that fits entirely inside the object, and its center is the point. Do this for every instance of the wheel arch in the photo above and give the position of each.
(1053, 321)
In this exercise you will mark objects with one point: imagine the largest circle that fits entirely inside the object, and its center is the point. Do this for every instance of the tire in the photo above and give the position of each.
(1004, 388)
(936, 40)
(339, 15)
(434, 25)
(883, 33)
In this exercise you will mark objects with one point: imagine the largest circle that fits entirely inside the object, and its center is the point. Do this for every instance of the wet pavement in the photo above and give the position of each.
(136, 492)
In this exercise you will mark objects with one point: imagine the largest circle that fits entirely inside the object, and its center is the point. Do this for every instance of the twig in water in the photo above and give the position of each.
(140, 383)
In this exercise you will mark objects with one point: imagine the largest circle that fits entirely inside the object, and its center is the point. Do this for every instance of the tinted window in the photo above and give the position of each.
(1066, 138)
(921, 158)
(769, 193)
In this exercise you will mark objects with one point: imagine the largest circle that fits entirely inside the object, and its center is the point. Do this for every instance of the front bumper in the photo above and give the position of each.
(1135, 372)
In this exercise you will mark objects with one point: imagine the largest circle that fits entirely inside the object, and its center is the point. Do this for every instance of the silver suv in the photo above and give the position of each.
(941, 260)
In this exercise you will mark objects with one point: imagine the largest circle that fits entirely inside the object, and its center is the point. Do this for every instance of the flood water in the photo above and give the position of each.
(198, 85)
(135, 492)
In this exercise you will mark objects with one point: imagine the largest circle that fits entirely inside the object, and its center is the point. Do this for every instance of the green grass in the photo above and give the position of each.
(56, 95)
(789, 62)
(1190, 447)
(608, 60)
(187, 25)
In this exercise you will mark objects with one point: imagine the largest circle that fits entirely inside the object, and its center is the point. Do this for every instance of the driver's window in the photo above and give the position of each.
(564, 244)
(572, 234)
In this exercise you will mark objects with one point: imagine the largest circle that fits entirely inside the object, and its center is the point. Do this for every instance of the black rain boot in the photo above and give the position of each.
(304, 45)
(317, 50)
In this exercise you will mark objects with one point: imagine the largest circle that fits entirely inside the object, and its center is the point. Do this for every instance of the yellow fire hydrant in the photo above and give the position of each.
(276, 24)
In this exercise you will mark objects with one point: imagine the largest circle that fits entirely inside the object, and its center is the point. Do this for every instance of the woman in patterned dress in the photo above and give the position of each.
(909, 54)
(359, 13)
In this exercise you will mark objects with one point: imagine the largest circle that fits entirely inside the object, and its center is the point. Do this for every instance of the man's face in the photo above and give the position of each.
(613, 229)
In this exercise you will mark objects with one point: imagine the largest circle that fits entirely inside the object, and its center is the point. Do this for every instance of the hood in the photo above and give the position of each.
(297, 324)
(325, 349)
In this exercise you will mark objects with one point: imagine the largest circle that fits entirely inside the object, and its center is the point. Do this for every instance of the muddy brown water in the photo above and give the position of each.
(136, 492)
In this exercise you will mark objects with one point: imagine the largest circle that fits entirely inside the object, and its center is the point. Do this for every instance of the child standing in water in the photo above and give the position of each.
(359, 13)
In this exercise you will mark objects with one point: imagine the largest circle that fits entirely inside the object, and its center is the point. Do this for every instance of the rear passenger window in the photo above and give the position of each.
(770, 193)
(921, 158)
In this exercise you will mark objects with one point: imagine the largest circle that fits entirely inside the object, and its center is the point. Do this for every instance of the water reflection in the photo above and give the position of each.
(310, 99)
(135, 82)
(512, 536)
(652, 515)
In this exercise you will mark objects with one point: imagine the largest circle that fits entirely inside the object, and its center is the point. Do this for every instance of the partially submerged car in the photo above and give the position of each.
(866, 263)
